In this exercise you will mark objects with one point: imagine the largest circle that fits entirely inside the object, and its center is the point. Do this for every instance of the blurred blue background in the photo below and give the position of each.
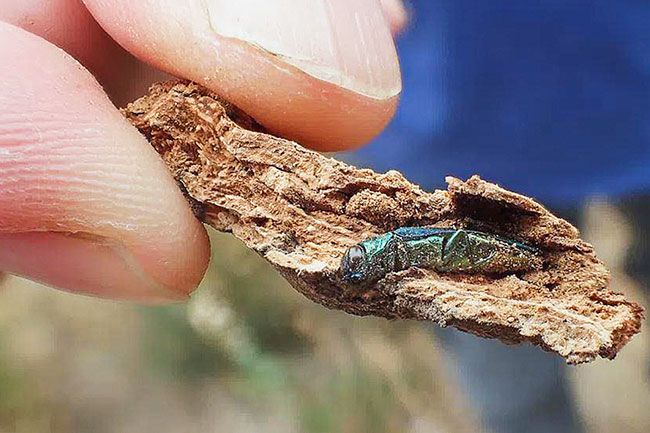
(550, 98)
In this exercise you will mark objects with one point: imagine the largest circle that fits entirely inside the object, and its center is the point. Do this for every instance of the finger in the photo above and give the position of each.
(85, 203)
(68, 25)
(324, 73)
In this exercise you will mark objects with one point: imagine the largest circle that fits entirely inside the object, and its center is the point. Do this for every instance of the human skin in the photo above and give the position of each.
(86, 204)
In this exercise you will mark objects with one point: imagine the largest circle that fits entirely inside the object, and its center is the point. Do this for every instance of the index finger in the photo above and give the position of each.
(322, 73)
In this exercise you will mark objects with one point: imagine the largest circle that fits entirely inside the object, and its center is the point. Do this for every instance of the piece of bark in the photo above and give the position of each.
(301, 210)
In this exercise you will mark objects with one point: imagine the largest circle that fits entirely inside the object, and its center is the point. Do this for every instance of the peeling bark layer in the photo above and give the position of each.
(301, 210)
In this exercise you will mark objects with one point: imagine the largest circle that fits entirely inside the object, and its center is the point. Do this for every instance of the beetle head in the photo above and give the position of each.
(354, 264)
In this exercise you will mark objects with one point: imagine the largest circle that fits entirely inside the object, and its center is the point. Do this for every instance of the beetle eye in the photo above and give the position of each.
(353, 264)
(356, 256)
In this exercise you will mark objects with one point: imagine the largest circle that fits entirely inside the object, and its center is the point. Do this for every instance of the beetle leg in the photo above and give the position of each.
(456, 251)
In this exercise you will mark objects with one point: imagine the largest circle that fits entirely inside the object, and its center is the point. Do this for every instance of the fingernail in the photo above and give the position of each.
(346, 43)
(77, 263)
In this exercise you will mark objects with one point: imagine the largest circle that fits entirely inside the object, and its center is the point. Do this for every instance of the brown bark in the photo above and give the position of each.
(301, 210)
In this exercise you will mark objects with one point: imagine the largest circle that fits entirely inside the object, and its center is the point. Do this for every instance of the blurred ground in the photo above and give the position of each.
(249, 354)
(245, 354)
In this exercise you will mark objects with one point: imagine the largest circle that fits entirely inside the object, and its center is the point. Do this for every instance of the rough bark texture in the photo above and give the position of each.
(301, 210)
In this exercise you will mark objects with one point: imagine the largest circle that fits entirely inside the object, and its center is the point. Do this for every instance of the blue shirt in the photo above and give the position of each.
(547, 98)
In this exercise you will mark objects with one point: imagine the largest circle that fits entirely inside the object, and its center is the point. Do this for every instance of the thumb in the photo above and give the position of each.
(324, 73)
(85, 203)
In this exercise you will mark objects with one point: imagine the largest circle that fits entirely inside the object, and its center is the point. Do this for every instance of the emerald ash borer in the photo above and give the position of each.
(439, 249)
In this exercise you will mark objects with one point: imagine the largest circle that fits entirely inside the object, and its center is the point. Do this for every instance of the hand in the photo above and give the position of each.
(85, 203)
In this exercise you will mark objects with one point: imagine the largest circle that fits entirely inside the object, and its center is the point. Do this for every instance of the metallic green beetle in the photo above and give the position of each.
(440, 249)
